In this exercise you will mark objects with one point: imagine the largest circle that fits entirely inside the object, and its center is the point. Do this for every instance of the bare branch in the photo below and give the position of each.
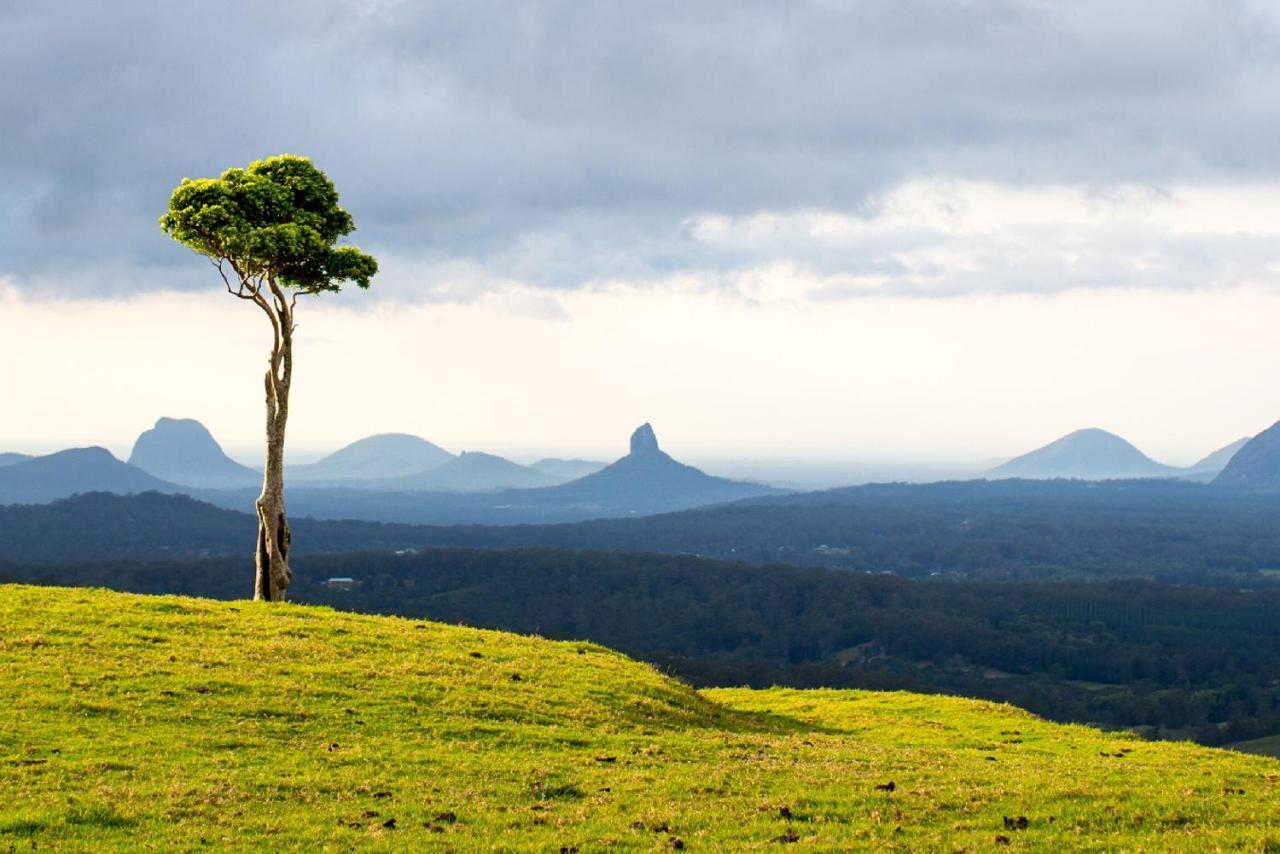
(246, 277)
(235, 292)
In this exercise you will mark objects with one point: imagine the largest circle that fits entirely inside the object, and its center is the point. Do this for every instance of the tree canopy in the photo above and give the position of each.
(277, 220)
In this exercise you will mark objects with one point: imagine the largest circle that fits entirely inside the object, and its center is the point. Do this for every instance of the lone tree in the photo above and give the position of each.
(270, 230)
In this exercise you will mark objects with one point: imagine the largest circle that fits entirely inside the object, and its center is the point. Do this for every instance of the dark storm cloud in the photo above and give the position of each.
(560, 142)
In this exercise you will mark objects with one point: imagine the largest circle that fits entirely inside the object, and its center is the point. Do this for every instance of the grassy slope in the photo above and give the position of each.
(1268, 746)
(128, 720)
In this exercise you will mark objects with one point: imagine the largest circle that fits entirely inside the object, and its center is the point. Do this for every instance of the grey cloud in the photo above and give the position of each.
(558, 143)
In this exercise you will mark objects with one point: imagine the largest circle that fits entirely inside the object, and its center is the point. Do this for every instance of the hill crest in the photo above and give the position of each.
(387, 732)
(384, 455)
(75, 470)
(1088, 454)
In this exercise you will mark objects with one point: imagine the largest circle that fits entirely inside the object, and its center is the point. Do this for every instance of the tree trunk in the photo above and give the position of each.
(272, 553)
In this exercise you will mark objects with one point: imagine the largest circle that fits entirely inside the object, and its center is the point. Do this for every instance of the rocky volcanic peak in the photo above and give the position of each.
(644, 441)
(648, 479)
(172, 437)
(183, 451)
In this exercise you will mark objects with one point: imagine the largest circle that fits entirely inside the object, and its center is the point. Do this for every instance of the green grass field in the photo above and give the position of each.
(133, 722)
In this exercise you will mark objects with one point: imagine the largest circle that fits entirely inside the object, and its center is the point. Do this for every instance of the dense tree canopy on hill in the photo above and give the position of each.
(1007, 530)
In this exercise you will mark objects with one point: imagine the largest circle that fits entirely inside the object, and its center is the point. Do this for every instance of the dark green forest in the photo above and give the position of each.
(1170, 661)
(977, 531)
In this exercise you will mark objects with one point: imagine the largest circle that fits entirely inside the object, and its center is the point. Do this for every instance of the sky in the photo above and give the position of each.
(910, 231)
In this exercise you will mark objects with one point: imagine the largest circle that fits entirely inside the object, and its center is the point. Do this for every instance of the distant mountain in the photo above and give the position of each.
(69, 472)
(182, 451)
(1212, 465)
(1257, 464)
(649, 480)
(386, 455)
(567, 469)
(1090, 454)
(646, 481)
(472, 472)
(8, 458)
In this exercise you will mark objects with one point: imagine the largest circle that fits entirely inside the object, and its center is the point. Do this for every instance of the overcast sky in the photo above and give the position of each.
(858, 230)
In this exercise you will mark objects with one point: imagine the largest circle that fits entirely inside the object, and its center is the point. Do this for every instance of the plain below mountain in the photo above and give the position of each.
(1257, 464)
(1090, 454)
(386, 455)
(48, 478)
(183, 451)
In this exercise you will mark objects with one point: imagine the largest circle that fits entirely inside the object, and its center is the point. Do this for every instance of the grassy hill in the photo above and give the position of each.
(133, 721)
(1268, 746)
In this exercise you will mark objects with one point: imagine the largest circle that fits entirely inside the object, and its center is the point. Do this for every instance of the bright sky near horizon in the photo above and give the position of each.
(912, 231)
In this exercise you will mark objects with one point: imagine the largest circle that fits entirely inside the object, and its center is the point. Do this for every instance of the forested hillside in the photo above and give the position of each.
(1005, 530)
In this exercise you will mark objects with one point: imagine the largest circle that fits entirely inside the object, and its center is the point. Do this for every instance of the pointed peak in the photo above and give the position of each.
(643, 440)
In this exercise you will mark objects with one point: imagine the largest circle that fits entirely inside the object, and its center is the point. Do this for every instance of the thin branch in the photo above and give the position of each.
(246, 276)
(235, 292)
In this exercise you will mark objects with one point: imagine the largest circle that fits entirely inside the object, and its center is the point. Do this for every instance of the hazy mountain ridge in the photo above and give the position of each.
(471, 471)
(645, 481)
(567, 469)
(1095, 454)
(1217, 460)
(647, 477)
(1257, 464)
(183, 451)
(480, 488)
(1089, 454)
(385, 455)
(58, 475)
(1211, 465)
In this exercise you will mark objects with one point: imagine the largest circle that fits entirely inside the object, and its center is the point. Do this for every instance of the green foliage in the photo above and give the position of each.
(132, 722)
(278, 220)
